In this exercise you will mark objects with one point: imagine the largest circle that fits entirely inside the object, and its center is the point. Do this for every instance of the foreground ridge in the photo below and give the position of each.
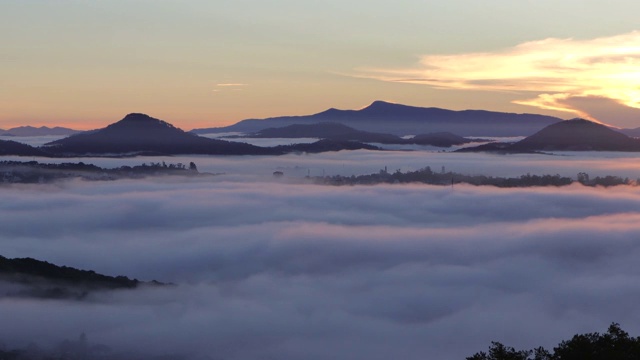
(37, 278)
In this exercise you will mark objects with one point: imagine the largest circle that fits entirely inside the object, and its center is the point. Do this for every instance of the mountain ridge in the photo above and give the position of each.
(401, 120)
(42, 279)
(141, 134)
(28, 130)
(569, 135)
(10, 147)
(138, 132)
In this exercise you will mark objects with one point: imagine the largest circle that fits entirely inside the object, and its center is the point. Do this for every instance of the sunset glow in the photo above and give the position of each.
(554, 70)
(213, 63)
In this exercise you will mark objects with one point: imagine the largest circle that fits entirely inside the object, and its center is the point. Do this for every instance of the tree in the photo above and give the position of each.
(615, 344)
(498, 351)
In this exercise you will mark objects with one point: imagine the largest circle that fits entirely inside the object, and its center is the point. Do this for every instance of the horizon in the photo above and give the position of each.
(206, 64)
(52, 125)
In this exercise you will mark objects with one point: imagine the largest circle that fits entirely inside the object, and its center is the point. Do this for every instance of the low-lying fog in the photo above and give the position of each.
(282, 270)
(361, 162)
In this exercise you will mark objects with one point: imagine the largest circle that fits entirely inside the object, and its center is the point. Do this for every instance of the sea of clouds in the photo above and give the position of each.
(271, 268)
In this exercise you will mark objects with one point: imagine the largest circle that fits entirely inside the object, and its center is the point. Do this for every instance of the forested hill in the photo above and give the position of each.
(37, 278)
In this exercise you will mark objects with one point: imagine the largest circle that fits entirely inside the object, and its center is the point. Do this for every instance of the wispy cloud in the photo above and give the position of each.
(556, 69)
(220, 87)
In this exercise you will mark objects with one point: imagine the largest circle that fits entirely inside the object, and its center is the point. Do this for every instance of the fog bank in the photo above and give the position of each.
(288, 271)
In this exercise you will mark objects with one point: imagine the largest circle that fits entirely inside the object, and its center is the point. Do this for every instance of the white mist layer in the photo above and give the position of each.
(288, 271)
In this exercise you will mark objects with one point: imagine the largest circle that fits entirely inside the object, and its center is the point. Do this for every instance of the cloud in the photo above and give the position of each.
(605, 108)
(556, 70)
(223, 87)
(281, 269)
(251, 169)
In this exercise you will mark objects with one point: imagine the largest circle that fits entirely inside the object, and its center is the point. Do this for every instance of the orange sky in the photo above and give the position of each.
(203, 64)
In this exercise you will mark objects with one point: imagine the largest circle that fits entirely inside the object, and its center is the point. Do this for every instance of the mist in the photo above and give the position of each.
(268, 268)
(360, 162)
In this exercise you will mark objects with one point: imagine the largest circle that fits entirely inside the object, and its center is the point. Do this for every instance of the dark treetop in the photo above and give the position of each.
(38, 278)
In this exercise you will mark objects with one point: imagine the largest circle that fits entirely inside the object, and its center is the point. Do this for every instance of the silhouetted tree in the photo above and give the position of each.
(615, 344)
(497, 351)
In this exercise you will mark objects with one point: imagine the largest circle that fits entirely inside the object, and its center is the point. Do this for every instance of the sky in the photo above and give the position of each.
(212, 63)
(279, 269)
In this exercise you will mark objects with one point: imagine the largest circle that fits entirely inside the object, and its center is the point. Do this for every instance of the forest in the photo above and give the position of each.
(615, 344)
(428, 176)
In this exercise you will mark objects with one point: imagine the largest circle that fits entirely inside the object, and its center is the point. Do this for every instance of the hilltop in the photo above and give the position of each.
(577, 135)
(10, 147)
(569, 135)
(140, 134)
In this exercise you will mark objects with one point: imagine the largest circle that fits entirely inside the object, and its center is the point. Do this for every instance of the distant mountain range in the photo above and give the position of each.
(401, 120)
(341, 132)
(379, 117)
(569, 135)
(38, 131)
(140, 134)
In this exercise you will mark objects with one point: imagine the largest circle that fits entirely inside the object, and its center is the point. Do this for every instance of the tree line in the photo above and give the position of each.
(615, 344)
(428, 176)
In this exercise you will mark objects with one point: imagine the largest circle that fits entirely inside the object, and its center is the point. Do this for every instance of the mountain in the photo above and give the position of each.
(142, 134)
(38, 131)
(9, 147)
(326, 130)
(577, 135)
(569, 135)
(397, 119)
(341, 132)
